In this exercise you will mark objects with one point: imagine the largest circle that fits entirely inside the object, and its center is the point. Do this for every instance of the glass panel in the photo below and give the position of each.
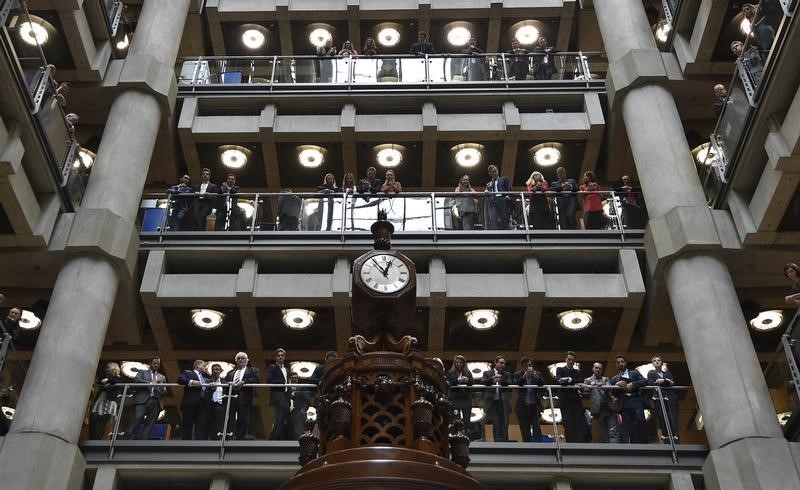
(412, 70)
(365, 70)
(321, 213)
(54, 126)
(732, 121)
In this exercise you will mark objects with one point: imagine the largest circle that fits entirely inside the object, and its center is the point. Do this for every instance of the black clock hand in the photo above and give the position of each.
(385, 272)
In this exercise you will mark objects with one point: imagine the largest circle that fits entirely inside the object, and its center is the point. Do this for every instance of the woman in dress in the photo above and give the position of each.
(106, 403)
(465, 204)
(461, 398)
(539, 214)
(592, 202)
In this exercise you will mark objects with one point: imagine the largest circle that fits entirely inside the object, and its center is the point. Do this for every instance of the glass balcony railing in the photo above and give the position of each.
(783, 379)
(487, 69)
(553, 416)
(517, 214)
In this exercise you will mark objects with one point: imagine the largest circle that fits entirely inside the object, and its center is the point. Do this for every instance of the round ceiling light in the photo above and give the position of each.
(478, 368)
(29, 321)
(552, 367)
(319, 37)
(551, 415)
(234, 156)
(311, 414)
(303, 369)
(476, 415)
(311, 157)
(226, 366)
(546, 156)
(206, 319)
(527, 35)
(575, 320)
(33, 33)
(253, 38)
(482, 319)
(131, 368)
(745, 26)
(704, 154)
(389, 157)
(8, 412)
(388, 36)
(459, 36)
(468, 155)
(662, 31)
(86, 158)
(782, 417)
(297, 318)
(646, 368)
(247, 208)
(767, 320)
(123, 43)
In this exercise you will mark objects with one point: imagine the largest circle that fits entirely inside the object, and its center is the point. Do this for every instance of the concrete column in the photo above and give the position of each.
(40, 451)
(739, 415)
(220, 481)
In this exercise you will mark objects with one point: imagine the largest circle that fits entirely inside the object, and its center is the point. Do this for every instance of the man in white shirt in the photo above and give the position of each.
(242, 403)
(279, 397)
(216, 402)
(206, 192)
(194, 408)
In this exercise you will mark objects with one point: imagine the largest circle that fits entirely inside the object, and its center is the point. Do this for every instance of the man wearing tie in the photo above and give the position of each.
(528, 408)
(204, 204)
(279, 397)
(194, 406)
(216, 402)
(569, 401)
(146, 401)
(499, 200)
(496, 400)
(631, 403)
(242, 399)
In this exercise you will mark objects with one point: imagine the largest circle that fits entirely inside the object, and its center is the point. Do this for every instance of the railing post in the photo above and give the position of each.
(555, 425)
(433, 215)
(343, 226)
(525, 215)
(618, 216)
(225, 432)
(665, 418)
(124, 396)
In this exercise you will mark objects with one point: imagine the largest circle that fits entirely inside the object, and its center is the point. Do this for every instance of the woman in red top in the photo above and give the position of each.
(592, 203)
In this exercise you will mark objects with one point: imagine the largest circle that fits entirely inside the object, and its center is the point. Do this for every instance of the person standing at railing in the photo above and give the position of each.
(326, 65)
(194, 405)
(792, 272)
(107, 400)
(179, 202)
(544, 61)
(592, 202)
(499, 200)
(289, 206)
(461, 398)
(751, 59)
(215, 393)
(539, 214)
(604, 411)
(422, 46)
(722, 98)
(465, 204)
(573, 415)
(278, 374)
(474, 68)
(496, 401)
(349, 184)
(529, 406)
(299, 401)
(328, 186)
(242, 399)
(566, 200)
(630, 200)
(146, 401)
(371, 184)
(10, 324)
(319, 371)
(203, 204)
(631, 403)
(763, 33)
(519, 61)
(229, 216)
(658, 376)
(72, 122)
(390, 185)
(348, 50)
(370, 48)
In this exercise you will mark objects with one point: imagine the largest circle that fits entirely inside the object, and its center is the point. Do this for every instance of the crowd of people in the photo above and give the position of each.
(549, 205)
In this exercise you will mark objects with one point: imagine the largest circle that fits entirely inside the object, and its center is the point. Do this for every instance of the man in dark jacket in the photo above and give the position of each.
(497, 403)
(194, 405)
(528, 406)
(242, 399)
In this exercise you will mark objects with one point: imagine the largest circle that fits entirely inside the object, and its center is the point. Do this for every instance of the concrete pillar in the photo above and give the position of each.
(680, 480)
(561, 483)
(107, 478)
(220, 481)
(739, 414)
(40, 452)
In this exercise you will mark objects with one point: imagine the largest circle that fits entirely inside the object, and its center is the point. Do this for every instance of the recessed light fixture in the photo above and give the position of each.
(468, 155)
(131, 368)
(234, 156)
(123, 43)
(704, 154)
(253, 38)
(303, 369)
(476, 415)
(8, 412)
(298, 318)
(311, 414)
(226, 366)
(33, 33)
(550, 415)
(767, 320)
(206, 319)
(527, 35)
(86, 158)
(575, 320)
(552, 367)
(29, 321)
(782, 417)
(546, 154)
(310, 207)
(482, 319)
(247, 208)
(458, 36)
(319, 37)
(646, 368)
(662, 31)
(745, 26)
(478, 368)
(310, 156)
(388, 37)
(388, 156)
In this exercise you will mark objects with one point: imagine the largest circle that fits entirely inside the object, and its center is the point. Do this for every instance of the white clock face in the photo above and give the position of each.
(385, 273)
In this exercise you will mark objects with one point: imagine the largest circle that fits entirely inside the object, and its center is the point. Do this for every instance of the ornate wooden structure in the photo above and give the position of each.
(382, 412)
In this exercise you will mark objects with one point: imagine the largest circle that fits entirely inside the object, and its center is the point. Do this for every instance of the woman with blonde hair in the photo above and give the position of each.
(107, 401)
(461, 398)
(539, 214)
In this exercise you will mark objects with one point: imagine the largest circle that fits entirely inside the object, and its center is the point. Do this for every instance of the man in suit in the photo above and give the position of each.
(179, 202)
(10, 324)
(499, 200)
(528, 406)
(567, 200)
(422, 46)
(573, 414)
(146, 401)
(194, 405)
(496, 400)
(278, 373)
(229, 216)
(203, 204)
(631, 403)
(242, 399)
(215, 393)
(658, 376)
(604, 411)
(299, 400)
(319, 371)
(630, 200)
